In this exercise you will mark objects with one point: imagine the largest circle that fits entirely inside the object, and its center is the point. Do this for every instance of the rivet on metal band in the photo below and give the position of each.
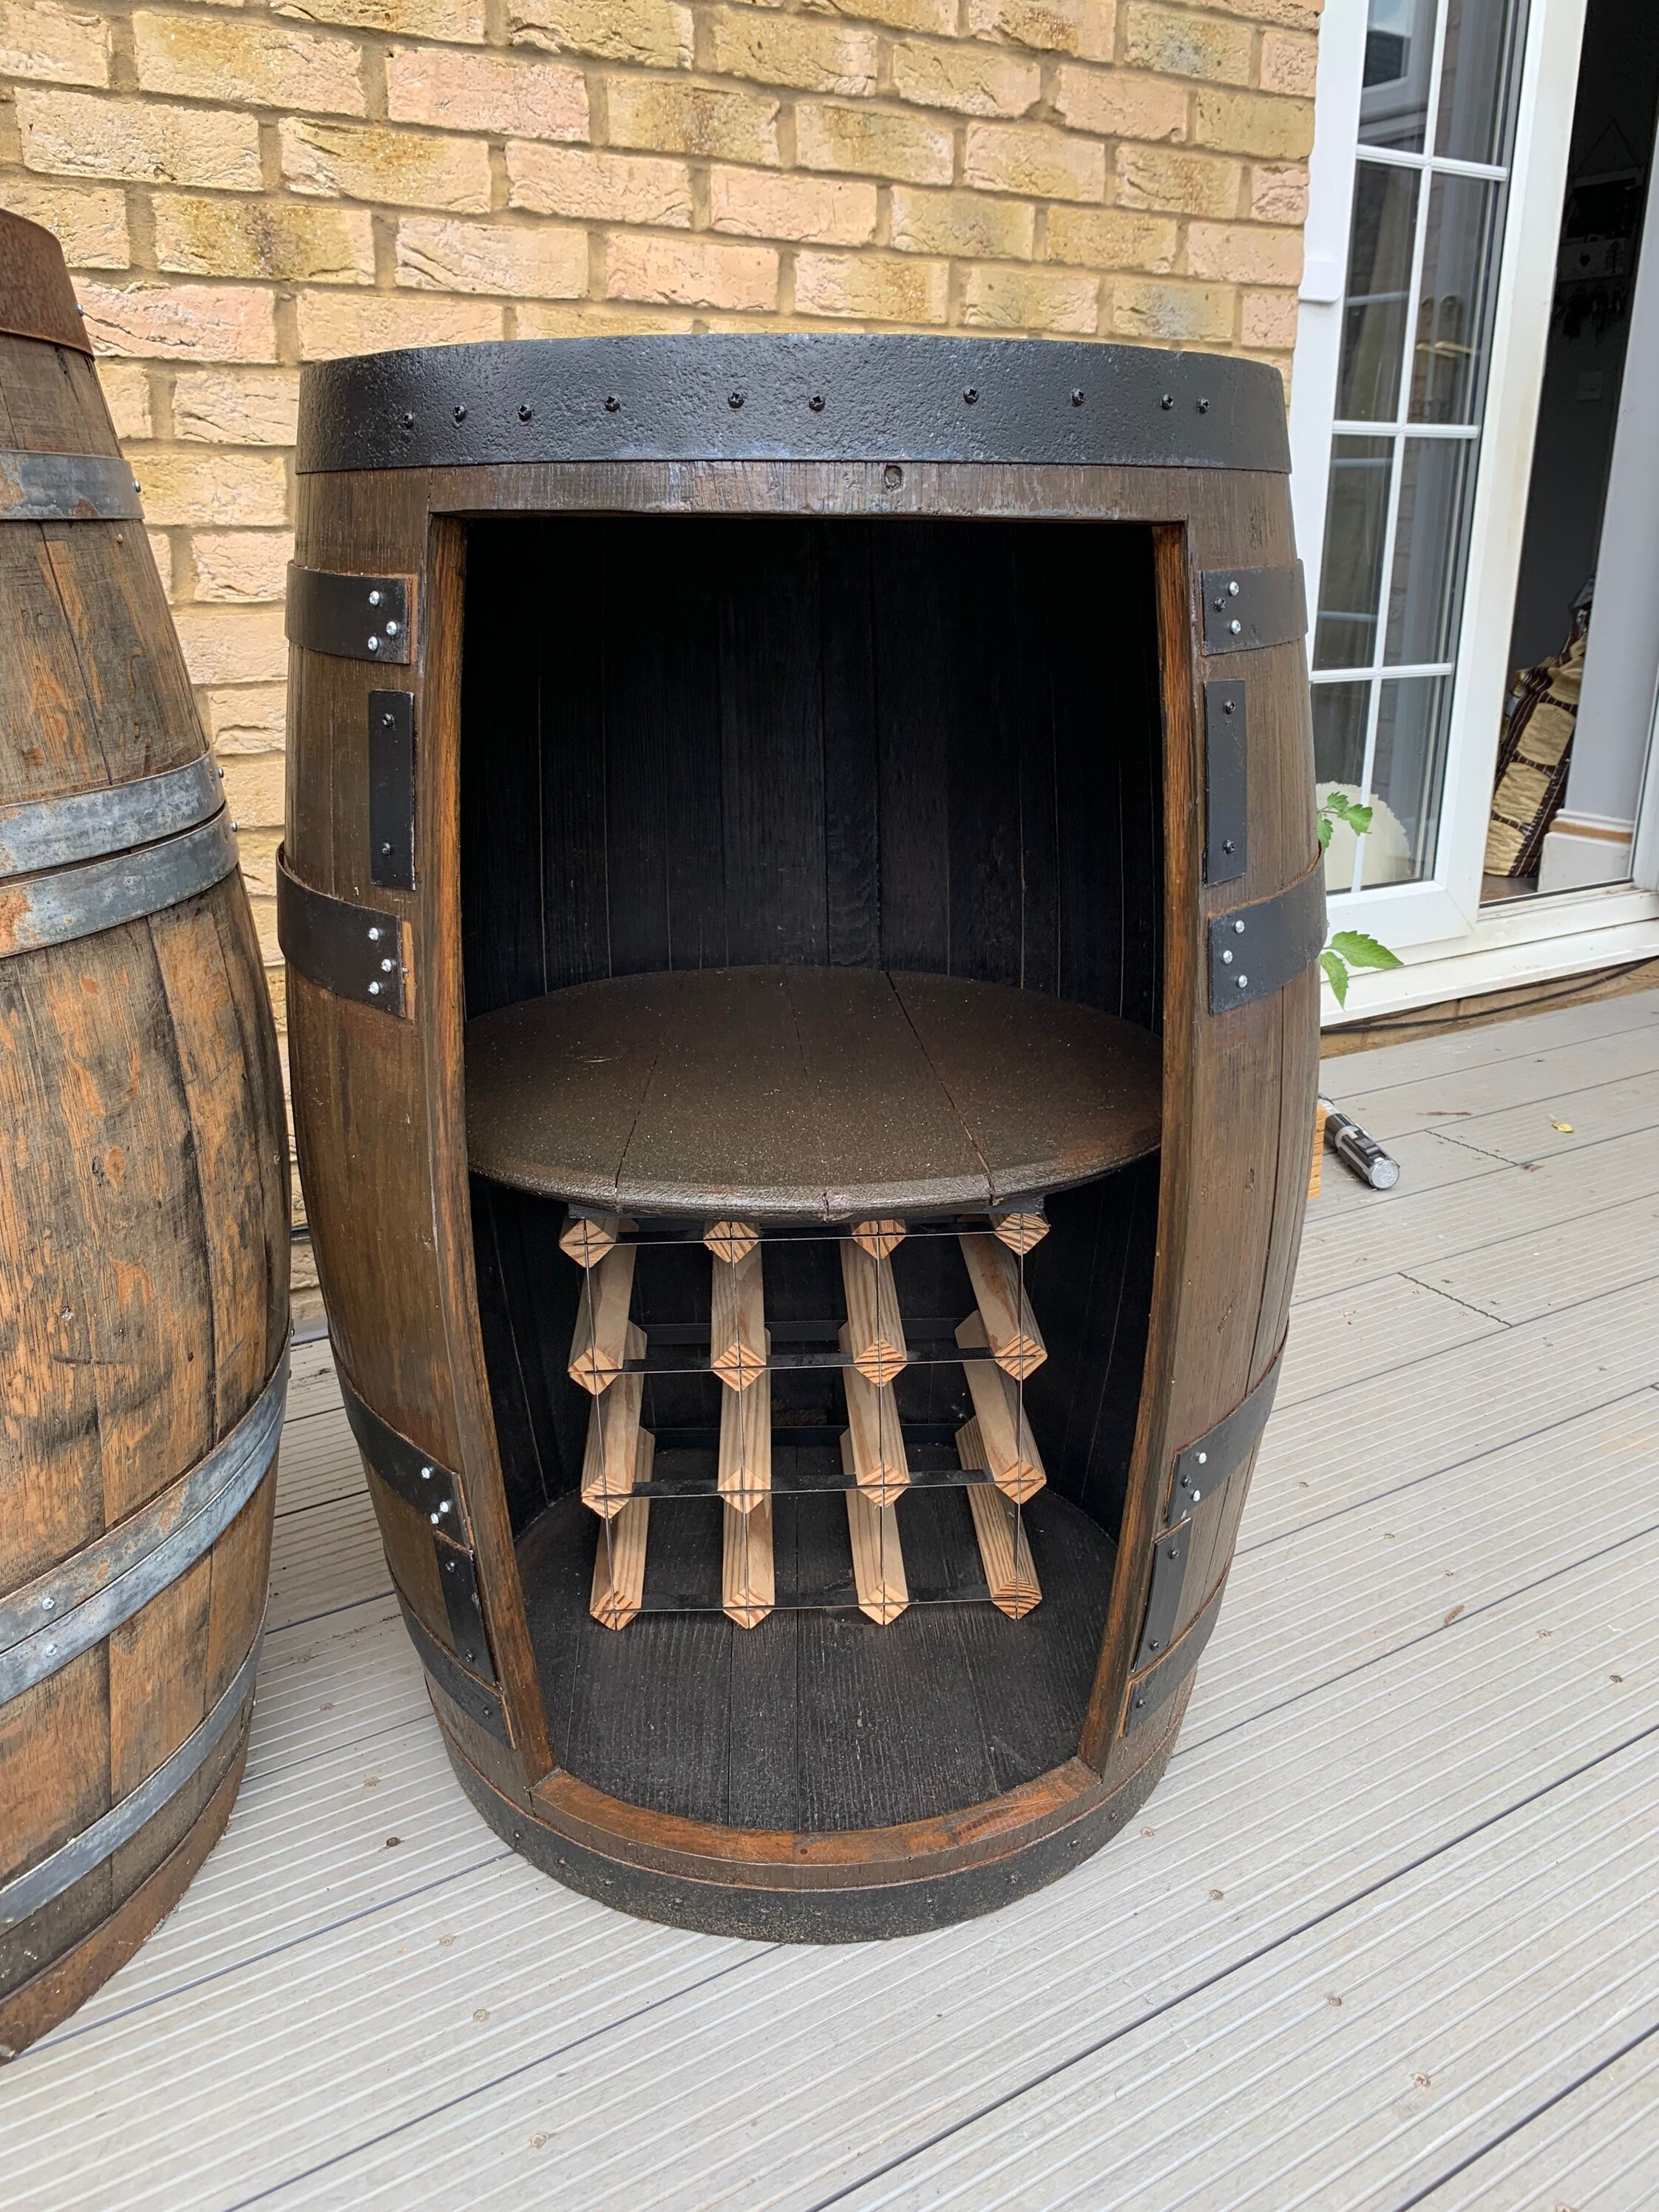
(52, 909)
(83, 1854)
(54, 1619)
(67, 488)
(89, 825)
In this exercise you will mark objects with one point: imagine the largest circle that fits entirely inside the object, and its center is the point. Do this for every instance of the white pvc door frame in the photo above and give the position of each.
(1444, 908)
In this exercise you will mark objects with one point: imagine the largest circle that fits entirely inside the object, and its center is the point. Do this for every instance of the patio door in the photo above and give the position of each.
(1438, 170)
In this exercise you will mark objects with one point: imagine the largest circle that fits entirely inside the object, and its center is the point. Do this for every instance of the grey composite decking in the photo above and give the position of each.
(1387, 1934)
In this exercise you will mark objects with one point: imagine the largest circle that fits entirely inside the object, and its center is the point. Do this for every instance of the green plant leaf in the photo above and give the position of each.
(1327, 828)
(1336, 975)
(1358, 817)
(1362, 952)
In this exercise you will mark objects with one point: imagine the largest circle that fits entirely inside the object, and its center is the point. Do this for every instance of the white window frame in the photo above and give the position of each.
(1429, 917)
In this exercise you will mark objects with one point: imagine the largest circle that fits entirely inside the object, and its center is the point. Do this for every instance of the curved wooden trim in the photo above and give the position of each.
(812, 1888)
(39, 2004)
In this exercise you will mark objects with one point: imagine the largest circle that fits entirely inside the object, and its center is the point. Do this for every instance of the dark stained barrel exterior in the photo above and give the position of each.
(391, 452)
(143, 1207)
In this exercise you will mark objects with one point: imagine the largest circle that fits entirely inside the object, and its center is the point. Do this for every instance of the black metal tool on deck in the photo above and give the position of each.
(1360, 1154)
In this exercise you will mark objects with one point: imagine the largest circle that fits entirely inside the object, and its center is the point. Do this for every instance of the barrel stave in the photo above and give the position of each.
(143, 1251)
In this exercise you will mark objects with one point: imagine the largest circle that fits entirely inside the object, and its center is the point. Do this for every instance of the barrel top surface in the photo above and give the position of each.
(804, 1093)
(37, 300)
(792, 396)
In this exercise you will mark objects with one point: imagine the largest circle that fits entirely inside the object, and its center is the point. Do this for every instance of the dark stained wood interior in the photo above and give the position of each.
(694, 742)
(817, 1720)
(691, 745)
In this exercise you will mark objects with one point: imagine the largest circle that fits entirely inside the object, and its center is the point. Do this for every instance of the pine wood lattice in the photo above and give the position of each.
(1000, 1465)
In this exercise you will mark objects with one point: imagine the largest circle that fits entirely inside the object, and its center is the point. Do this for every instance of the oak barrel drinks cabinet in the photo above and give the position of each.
(143, 1207)
(801, 897)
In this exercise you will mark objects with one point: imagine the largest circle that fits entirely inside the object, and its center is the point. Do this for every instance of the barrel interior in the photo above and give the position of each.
(917, 747)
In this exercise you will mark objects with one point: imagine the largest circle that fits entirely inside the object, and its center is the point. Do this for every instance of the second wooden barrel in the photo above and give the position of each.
(143, 1207)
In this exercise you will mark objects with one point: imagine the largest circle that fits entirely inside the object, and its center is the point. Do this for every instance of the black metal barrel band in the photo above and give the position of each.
(799, 396)
(86, 1597)
(1258, 949)
(1248, 609)
(425, 1484)
(27, 1892)
(353, 951)
(42, 834)
(1203, 1466)
(1159, 1683)
(354, 617)
(67, 488)
(479, 1700)
(55, 909)
(415, 1476)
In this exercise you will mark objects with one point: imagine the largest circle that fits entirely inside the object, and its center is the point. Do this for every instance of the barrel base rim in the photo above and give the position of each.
(832, 1912)
(43, 2003)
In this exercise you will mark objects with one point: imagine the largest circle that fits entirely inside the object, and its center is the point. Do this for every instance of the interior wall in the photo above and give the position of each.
(688, 743)
(1583, 373)
(693, 742)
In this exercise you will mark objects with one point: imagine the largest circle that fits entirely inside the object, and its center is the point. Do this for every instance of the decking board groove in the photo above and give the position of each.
(1407, 1771)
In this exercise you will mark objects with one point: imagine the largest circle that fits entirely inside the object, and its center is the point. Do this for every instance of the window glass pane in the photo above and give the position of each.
(1480, 72)
(1405, 779)
(1399, 48)
(1351, 574)
(1454, 319)
(1378, 293)
(1426, 590)
(1338, 723)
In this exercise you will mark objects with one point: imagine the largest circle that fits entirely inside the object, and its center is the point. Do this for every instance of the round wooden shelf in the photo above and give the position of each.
(804, 1094)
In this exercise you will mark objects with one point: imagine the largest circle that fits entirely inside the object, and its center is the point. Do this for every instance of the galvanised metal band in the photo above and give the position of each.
(87, 825)
(797, 397)
(52, 909)
(78, 1857)
(66, 487)
(84, 1598)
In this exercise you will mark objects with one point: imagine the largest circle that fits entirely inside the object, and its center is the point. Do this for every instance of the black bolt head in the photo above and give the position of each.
(735, 401)
(525, 414)
(1167, 402)
(460, 414)
(408, 422)
(1076, 399)
(816, 402)
(1203, 406)
(971, 394)
(612, 405)
(1226, 847)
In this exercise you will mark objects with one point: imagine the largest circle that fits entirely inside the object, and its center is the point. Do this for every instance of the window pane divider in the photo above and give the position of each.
(1384, 670)
(1395, 427)
(1392, 158)
(1408, 355)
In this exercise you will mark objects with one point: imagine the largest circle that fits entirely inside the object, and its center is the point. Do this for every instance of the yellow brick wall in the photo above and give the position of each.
(242, 187)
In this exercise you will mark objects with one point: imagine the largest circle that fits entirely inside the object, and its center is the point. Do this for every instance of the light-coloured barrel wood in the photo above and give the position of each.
(143, 1248)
